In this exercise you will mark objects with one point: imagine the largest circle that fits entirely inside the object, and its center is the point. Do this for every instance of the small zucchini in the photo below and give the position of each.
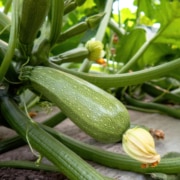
(95, 111)
(73, 55)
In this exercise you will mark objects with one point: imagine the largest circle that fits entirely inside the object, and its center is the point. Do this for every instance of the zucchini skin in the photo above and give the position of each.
(65, 160)
(93, 110)
(32, 17)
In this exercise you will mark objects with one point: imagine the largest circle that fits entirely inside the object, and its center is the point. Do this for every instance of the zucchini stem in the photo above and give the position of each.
(112, 159)
(106, 158)
(104, 23)
(12, 40)
(126, 79)
(155, 106)
(86, 65)
(160, 93)
(28, 165)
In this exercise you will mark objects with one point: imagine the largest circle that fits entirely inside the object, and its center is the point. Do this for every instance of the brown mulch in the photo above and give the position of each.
(23, 174)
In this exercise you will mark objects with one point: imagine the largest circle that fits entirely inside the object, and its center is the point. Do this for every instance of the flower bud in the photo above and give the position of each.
(139, 144)
(95, 49)
(94, 20)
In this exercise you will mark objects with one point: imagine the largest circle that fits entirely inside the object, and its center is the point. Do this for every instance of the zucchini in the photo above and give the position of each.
(96, 112)
(62, 157)
(73, 55)
(32, 17)
(57, 11)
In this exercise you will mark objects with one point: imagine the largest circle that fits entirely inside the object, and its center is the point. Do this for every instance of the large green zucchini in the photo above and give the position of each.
(92, 109)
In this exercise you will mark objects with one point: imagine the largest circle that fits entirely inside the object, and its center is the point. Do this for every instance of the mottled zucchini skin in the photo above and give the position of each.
(92, 109)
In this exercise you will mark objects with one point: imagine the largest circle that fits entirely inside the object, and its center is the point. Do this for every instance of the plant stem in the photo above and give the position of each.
(114, 26)
(126, 79)
(28, 165)
(12, 40)
(160, 93)
(86, 65)
(111, 159)
(104, 23)
(154, 106)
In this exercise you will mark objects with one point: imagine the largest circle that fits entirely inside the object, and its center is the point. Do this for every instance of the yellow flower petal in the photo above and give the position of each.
(139, 144)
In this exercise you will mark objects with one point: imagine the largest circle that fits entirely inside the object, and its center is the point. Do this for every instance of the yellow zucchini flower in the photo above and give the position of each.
(139, 144)
(95, 49)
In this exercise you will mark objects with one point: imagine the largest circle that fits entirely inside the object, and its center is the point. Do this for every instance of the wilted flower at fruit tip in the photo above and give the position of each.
(95, 49)
(157, 133)
(139, 144)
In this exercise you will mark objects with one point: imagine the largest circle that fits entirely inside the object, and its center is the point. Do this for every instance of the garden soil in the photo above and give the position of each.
(22, 174)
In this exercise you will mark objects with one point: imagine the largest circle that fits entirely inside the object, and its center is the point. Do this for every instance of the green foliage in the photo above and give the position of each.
(87, 9)
(129, 44)
(147, 7)
(150, 16)
(4, 26)
(2, 3)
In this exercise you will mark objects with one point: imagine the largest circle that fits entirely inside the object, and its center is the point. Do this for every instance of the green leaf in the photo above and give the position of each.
(2, 2)
(148, 7)
(88, 8)
(100, 4)
(129, 44)
(157, 53)
(67, 45)
(167, 11)
(168, 15)
(176, 75)
(171, 34)
(128, 18)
